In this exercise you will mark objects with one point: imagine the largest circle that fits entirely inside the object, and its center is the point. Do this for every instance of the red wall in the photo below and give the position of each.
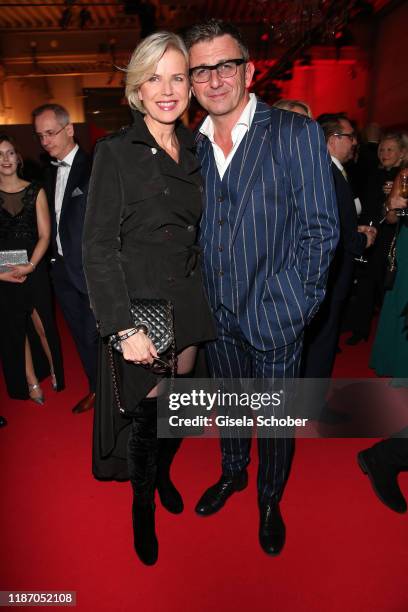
(368, 81)
(331, 86)
(389, 75)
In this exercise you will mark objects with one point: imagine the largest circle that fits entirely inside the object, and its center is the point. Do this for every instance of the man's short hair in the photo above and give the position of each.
(213, 28)
(61, 113)
(330, 123)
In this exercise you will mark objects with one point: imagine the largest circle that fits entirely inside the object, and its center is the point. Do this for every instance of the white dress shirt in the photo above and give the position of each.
(60, 185)
(357, 202)
(237, 134)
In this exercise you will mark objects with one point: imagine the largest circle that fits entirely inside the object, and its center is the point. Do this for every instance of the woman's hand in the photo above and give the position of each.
(138, 348)
(12, 277)
(396, 201)
(370, 233)
(20, 270)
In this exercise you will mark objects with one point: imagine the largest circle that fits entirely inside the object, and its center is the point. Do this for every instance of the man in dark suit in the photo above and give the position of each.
(268, 233)
(322, 335)
(67, 187)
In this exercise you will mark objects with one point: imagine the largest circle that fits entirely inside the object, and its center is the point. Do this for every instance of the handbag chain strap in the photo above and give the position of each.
(173, 354)
(115, 379)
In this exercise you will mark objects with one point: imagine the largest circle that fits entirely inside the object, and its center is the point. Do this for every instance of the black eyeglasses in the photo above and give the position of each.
(202, 74)
(49, 133)
(351, 135)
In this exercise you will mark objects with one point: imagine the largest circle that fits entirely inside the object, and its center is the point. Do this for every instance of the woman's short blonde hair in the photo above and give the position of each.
(290, 105)
(144, 60)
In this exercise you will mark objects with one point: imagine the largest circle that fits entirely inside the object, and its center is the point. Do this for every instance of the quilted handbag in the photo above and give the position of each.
(155, 317)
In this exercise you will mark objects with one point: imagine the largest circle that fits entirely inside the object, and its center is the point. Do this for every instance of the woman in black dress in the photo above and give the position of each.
(29, 342)
(143, 209)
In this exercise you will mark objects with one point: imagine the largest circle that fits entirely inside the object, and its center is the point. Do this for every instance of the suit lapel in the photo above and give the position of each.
(72, 181)
(250, 156)
(52, 183)
(51, 180)
(346, 196)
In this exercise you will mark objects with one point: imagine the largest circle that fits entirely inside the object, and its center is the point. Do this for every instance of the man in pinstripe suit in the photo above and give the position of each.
(268, 233)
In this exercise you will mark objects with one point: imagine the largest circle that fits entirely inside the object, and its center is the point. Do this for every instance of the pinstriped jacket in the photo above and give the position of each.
(270, 226)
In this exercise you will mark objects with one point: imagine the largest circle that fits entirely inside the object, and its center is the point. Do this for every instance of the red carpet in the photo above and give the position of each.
(62, 530)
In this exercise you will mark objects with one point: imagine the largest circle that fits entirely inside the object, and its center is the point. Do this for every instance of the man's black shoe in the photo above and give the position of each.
(85, 404)
(383, 478)
(215, 497)
(3, 421)
(272, 531)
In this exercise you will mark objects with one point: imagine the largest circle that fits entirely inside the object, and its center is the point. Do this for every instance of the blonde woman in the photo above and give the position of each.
(140, 242)
(295, 106)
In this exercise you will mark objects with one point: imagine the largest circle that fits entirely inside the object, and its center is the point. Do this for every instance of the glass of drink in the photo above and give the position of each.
(387, 187)
(403, 185)
(403, 191)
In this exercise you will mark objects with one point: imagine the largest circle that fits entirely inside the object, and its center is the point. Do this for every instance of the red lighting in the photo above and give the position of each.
(265, 37)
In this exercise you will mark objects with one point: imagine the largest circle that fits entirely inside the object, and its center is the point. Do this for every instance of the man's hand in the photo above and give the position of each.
(370, 232)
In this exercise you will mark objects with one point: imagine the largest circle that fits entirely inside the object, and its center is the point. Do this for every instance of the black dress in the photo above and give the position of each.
(140, 241)
(18, 230)
(371, 275)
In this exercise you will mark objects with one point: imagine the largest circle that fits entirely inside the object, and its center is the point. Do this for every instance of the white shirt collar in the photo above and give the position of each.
(337, 163)
(68, 159)
(245, 119)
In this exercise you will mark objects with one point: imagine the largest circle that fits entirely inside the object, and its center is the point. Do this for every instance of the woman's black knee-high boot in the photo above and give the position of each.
(142, 465)
(168, 447)
(169, 496)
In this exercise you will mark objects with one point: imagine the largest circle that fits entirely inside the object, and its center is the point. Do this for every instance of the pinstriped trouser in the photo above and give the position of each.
(230, 356)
